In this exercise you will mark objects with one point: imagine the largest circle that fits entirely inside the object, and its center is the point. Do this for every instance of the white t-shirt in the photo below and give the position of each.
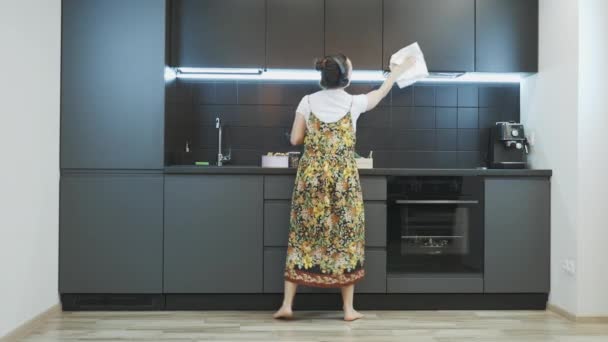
(331, 105)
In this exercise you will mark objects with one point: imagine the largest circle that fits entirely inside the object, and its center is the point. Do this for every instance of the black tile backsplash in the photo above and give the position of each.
(424, 126)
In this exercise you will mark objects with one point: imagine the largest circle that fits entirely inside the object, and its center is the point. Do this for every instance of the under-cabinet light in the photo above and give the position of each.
(312, 75)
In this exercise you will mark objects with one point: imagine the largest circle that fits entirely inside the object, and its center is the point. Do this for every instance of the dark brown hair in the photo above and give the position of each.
(334, 71)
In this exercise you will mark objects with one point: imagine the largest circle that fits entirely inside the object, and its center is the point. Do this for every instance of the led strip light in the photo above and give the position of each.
(253, 74)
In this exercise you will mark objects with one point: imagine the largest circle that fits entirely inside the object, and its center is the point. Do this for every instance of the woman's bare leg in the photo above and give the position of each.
(285, 311)
(350, 314)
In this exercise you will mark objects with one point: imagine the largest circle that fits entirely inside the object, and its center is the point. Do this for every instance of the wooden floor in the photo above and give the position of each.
(442, 326)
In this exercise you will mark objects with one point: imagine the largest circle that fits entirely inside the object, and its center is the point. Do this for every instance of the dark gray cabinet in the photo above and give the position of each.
(507, 36)
(373, 282)
(213, 234)
(444, 29)
(517, 235)
(218, 33)
(112, 85)
(111, 233)
(294, 33)
(354, 28)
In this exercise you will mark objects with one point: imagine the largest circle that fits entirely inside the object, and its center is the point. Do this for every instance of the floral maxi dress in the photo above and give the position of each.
(327, 229)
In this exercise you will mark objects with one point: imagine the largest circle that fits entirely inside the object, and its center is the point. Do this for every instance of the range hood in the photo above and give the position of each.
(370, 76)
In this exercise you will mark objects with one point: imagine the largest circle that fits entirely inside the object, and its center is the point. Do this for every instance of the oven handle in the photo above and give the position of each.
(436, 202)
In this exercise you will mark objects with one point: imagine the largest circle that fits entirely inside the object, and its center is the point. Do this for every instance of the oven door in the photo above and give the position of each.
(436, 235)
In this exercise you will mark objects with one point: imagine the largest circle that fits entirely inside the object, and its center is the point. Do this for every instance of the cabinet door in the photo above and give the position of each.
(112, 85)
(354, 28)
(444, 29)
(213, 234)
(295, 33)
(517, 228)
(218, 33)
(111, 233)
(507, 36)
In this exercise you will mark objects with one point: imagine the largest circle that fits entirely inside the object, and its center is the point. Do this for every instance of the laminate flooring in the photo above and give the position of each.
(309, 326)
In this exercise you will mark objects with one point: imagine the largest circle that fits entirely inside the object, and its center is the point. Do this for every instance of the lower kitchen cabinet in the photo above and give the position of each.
(374, 281)
(111, 233)
(517, 235)
(213, 234)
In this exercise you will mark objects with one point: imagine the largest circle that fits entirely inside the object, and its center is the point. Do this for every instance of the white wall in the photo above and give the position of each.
(549, 106)
(593, 159)
(29, 150)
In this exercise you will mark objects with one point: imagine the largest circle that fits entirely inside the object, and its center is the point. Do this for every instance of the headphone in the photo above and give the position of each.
(343, 80)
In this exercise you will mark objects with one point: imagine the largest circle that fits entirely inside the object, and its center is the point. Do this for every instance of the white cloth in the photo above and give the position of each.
(418, 72)
(331, 105)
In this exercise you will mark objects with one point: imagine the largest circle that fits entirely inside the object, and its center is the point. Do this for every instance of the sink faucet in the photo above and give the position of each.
(221, 159)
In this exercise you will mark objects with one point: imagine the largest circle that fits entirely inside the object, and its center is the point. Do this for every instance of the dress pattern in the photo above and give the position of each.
(327, 223)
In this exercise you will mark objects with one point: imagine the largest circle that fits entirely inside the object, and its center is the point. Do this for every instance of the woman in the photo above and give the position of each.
(327, 233)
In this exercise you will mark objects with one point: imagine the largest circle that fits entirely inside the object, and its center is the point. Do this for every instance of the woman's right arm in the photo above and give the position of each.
(375, 96)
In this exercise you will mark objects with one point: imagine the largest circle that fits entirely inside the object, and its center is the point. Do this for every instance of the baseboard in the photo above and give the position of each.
(30, 326)
(574, 318)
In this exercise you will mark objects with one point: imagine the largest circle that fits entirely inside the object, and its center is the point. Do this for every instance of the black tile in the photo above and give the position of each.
(468, 117)
(180, 92)
(444, 160)
(247, 115)
(447, 117)
(488, 117)
(402, 97)
(446, 96)
(468, 96)
(468, 140)
(421, 118)
(272, 93)
(369, 138)
(378, 117)
(492, 96)
(400, 117)
(424, 96)
(413, 140)
(225, 93)
(381, 158)
(447, 140)
(484, 140)
(205, 92)
(407, 159)
(469, 160)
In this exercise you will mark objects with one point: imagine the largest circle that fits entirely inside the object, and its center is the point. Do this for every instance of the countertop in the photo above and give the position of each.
(257, 170)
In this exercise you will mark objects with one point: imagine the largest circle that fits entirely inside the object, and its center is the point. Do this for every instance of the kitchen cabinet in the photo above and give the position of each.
(213, 234)
(445, 31)
(354, 28)
(507, 36)
(112, 85)
(295, 33)
(517, 235)
(111, 233)
(218, 33)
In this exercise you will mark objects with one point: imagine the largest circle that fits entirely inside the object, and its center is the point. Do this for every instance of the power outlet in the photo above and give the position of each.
(568, 266)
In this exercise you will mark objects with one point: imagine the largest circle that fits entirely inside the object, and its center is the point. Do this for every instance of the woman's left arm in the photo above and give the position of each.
(298, 130)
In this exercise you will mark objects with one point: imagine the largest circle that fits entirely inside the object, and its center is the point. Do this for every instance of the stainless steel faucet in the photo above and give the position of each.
(221, 159)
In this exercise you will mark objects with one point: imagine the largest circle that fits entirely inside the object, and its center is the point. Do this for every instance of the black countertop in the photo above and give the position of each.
(257, 170)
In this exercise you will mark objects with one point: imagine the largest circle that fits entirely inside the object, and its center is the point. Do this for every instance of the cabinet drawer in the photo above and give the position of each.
(278, 187)
(276, 223)
(434, 283)
(374, 281)
(281, 187)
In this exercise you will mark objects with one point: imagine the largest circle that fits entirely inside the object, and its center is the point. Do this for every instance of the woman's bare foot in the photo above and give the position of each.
(283, 313)
(352, 315)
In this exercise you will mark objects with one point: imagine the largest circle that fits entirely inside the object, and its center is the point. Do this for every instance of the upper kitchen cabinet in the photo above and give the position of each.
(354, 28)
(112, 85)
(445, 30)
(295, 33)
(218, 33)
(507, 36)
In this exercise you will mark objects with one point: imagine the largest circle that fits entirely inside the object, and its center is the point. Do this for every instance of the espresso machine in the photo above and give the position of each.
(508, 146)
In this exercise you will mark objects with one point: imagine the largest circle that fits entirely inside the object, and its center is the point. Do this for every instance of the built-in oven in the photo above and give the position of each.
(435, 225)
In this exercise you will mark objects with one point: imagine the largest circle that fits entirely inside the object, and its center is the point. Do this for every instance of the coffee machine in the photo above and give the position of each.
(508, 146)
